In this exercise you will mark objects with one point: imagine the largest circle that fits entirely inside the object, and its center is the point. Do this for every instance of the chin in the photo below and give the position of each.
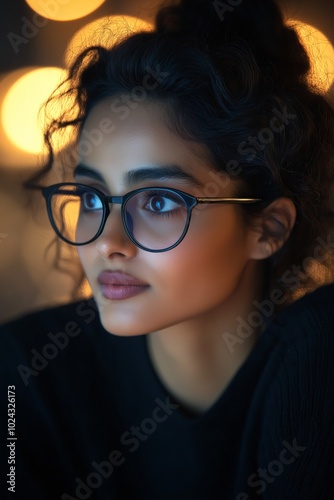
(129, 325)
(122, 327)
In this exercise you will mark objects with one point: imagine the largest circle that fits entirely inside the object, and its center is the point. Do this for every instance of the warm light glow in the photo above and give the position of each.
(321, 53)
(105, 32)
(64, 10)
(21, 118)
(11, 156)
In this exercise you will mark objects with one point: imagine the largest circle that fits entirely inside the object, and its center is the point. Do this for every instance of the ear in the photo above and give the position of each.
(271, 229)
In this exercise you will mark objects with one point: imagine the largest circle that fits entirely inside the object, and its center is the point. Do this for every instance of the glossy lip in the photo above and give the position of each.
(117, 285)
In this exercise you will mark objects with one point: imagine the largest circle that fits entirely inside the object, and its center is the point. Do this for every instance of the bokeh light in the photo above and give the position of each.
(105, 32)
(21, 118)
(321, 53)
(64, 10)
(11, 156)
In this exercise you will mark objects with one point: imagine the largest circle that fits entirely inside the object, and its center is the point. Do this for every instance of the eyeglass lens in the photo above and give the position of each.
(155, 218)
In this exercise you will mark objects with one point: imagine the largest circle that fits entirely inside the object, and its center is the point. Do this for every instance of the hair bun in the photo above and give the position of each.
(259, 23)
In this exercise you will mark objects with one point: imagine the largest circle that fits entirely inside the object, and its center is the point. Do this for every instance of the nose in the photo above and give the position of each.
(114, 239)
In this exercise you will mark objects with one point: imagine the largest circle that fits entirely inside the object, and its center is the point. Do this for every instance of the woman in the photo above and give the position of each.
(200, 205)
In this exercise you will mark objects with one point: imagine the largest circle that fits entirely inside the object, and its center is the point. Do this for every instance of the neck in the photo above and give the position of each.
(198, 358)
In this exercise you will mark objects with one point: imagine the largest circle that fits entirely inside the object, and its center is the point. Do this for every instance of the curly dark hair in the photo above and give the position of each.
(235, 81)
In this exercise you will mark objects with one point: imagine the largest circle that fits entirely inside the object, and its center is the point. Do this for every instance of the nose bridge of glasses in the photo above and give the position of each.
(117, 200)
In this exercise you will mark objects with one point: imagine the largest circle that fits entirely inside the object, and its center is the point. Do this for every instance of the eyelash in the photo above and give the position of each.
(166, 194)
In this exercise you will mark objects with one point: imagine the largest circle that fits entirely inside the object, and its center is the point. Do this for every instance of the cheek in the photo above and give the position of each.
(87, 254)
(209, 262)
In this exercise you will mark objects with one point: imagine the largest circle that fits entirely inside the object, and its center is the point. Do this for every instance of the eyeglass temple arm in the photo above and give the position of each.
(228, 200)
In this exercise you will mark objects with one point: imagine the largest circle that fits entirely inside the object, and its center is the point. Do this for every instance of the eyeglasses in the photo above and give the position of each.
(156, 219)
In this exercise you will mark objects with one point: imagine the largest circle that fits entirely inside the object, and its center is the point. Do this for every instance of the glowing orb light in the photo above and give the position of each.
(64, 10)
(20, 114)
(105, 32)
(321, 53)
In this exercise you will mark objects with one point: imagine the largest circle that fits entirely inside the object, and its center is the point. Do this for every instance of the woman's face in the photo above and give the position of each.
(194, 278)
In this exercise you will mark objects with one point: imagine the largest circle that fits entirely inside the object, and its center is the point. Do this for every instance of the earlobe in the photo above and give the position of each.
(262, 249)
(268, 249)
(272, 228)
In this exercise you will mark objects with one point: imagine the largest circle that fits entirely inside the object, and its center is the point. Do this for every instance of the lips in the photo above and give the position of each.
(116, 285)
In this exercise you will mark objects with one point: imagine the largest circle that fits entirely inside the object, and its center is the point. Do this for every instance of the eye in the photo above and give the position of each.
(162, 202)
(91, 201)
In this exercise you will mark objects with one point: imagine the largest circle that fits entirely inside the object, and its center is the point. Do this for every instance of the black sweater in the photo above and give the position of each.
(93, 419)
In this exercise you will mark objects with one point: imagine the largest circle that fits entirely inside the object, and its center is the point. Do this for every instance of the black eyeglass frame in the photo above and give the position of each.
(190, 201)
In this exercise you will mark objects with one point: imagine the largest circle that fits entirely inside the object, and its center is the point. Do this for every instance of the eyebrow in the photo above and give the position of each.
(88, 172)
(143, 174)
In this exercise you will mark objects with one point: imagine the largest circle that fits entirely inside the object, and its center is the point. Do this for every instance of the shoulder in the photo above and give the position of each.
(302, 338)
(84, 311)
(298, 404)
(64, 342)
(313, 312)
(304, 341)
(304, 333)
(39, 327)
(306, 324)
(54, 337)
(69, 319)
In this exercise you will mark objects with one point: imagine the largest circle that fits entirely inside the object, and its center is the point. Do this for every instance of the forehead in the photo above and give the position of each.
(114, 134)
(119, 141)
